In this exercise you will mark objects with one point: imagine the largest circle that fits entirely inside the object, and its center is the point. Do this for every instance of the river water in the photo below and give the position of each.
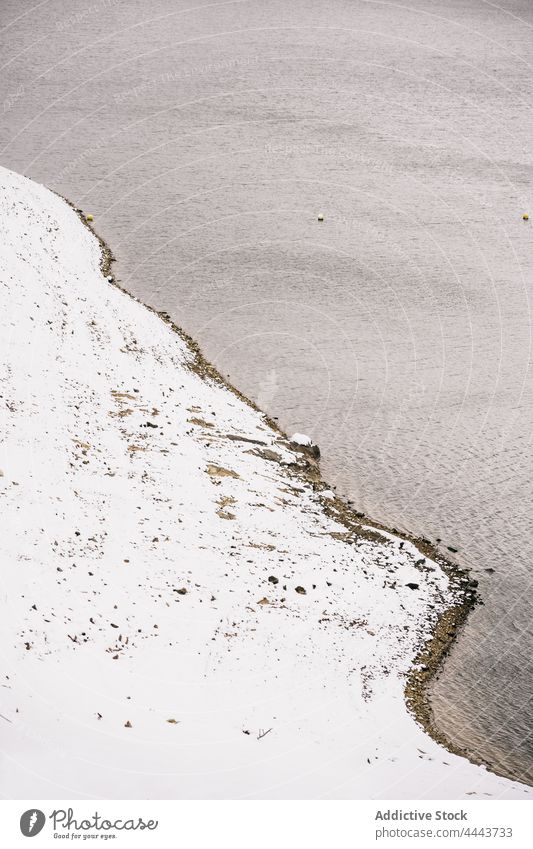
(206, 138)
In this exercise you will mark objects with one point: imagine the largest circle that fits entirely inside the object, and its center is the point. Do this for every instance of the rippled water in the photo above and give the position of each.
(207, 138)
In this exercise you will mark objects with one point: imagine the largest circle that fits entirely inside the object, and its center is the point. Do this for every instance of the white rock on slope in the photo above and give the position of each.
(145, 653)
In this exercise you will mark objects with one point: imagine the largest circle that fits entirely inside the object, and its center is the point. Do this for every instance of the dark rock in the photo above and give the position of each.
(273, 579)
(268, 454)
(412, 585)
(301, 590)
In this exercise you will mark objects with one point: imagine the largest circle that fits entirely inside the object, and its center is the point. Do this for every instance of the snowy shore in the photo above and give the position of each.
(180, 616)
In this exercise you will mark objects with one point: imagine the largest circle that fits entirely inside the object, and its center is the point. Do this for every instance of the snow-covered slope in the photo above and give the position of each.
(179, 617)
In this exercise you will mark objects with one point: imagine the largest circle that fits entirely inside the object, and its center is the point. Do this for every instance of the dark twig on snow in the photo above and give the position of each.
(263, 733)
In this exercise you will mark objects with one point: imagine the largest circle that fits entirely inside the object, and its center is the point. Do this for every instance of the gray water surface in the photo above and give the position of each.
(206, 138)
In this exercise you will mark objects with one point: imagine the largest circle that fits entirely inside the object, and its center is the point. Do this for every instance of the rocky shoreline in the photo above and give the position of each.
(429, 661)
(195, 604)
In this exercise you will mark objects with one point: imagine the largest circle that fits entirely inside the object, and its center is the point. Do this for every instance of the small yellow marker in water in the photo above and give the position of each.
(320, 217)
(525, 216)
(89, 217)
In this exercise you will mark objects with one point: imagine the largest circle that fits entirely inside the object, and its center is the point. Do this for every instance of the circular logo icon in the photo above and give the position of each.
(32, 822)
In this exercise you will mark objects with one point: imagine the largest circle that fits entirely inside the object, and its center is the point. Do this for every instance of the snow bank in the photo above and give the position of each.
(179, 617)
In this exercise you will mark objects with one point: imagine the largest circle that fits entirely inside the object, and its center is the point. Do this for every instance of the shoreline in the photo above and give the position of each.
(243, 598)
(428, 663)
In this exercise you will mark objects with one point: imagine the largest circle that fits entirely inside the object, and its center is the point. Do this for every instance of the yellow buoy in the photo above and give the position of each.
(525, 216)
(89, 217)
(320, 217)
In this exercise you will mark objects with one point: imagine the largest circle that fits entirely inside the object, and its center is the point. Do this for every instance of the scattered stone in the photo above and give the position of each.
(412, 585)
(182, 591)
(273, 579)
(226, 514)
(200, 422)
(301, 590)
(268, 454)
(128, 724)
(301, 440)
(220, 472)
(235, 438)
